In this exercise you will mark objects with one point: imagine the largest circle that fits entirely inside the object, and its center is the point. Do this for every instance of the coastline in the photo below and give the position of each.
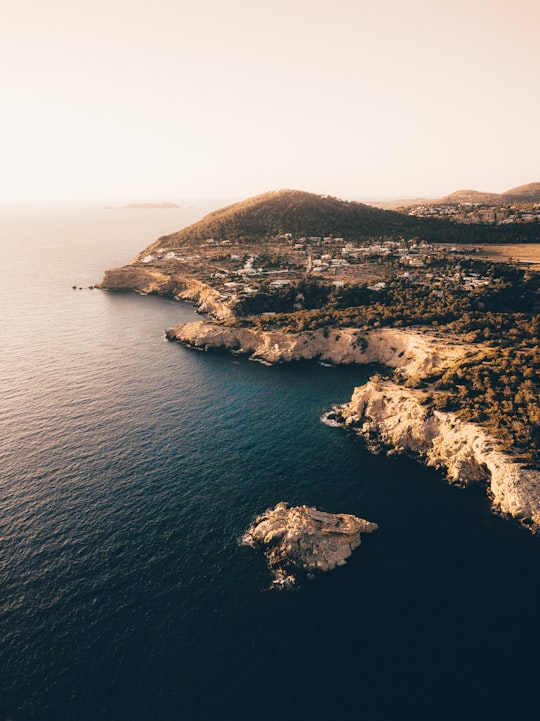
(389, 416)
(396, 420)
(412, 351)
(148, 281)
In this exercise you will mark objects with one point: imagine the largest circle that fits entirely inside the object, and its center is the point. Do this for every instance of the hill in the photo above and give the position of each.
(289, 211)
(302, 214)
(469, 196)
(529, 193)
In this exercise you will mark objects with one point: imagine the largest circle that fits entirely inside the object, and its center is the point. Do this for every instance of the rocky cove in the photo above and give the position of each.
(387, 415)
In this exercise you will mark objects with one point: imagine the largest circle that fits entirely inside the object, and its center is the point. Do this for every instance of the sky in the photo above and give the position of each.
(169, 99)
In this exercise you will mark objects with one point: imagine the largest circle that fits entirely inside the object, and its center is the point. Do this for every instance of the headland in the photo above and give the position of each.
(290, 276)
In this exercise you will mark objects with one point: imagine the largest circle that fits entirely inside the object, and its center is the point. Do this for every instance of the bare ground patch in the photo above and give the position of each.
(528, 253)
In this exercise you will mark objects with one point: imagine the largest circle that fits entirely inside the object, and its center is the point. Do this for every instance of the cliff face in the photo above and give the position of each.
(411, 351)
(393, 417)
(388, 415)
(150, 280)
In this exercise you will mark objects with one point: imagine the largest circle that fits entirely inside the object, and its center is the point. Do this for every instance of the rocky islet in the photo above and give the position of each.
(303, 540)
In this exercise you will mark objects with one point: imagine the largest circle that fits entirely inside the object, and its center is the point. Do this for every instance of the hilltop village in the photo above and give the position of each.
(242, 272)
(260, 255)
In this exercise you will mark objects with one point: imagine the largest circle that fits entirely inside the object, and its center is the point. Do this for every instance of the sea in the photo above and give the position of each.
(130, 468)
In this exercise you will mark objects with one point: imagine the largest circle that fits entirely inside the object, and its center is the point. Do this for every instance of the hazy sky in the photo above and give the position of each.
(165, 99)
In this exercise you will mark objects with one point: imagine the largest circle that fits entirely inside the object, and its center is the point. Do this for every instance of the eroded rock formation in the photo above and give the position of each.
(304, 539)
(394, 418)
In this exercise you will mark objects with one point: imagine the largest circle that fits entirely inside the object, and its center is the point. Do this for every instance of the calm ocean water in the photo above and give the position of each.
(131, 466)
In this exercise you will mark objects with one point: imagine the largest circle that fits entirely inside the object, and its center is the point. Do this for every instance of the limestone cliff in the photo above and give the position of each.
(412, 351)
(151, 280)
(394, 417)
(388, 415)
(304, 539)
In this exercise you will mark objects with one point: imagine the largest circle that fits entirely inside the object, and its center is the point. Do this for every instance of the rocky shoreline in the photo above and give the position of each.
(414, 352)
(148, 281)
(389, 416)
(395, 419)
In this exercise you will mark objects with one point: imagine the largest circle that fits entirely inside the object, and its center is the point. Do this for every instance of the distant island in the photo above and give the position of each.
(290, 275)
(137, 206)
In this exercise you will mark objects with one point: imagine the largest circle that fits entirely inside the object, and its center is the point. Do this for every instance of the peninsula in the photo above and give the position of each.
(290, 275)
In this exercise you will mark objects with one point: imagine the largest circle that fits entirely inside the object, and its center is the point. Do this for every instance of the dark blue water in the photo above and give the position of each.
(131, 466)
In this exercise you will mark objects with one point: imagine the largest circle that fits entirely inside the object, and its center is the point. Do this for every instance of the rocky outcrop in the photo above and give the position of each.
(203, 296)
(149, 280)
(140, 279)
(304, 539)
(395, 418)
(412, 351)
